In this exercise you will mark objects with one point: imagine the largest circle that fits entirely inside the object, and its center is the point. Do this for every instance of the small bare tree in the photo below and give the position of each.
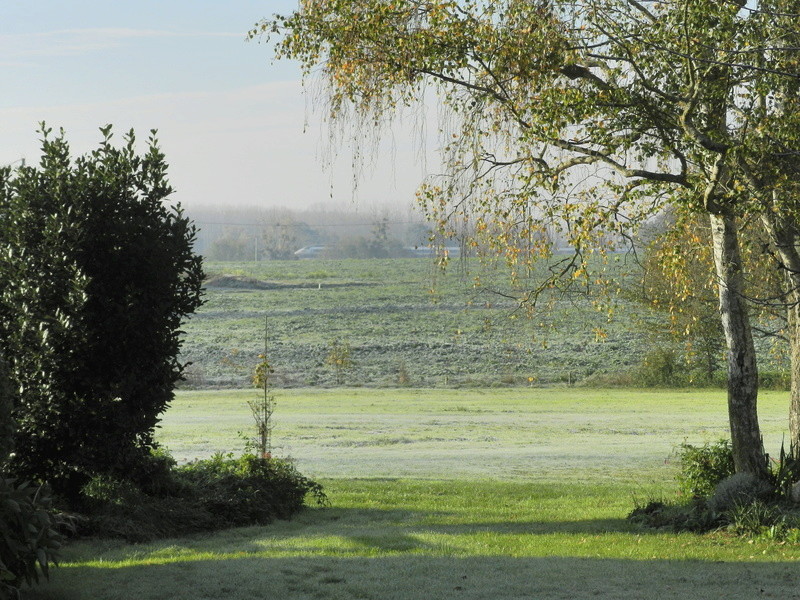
(263, 406)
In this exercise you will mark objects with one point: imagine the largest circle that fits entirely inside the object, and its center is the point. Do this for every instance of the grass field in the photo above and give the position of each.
(407, 323)
(452, 494)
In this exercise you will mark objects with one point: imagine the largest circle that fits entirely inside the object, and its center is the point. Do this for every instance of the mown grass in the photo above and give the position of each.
(529, 433)
(536, 512)
(411, 539)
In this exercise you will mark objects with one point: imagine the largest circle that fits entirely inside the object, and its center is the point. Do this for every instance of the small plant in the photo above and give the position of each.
(403, 376)
(263, 407)
(339, 359)
(29, 540)
(786, 473)
(703, 467)
(758, 518)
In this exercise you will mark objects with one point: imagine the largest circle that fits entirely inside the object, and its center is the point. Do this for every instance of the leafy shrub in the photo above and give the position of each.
(29, 540)
(774, 380)
(250, 490)
(703, 467)
(99, 273)
(212, 494)
(739, 489)
(605, 380)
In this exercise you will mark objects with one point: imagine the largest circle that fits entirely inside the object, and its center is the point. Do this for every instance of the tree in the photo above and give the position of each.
(586, 117)
(340, 359)
(98, 276)
(282, 236)
(233, 245)
(678, 280)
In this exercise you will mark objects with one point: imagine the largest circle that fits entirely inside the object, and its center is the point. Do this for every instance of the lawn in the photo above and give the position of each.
(452, 494)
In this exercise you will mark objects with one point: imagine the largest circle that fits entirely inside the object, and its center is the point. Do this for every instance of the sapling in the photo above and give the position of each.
(263, 406)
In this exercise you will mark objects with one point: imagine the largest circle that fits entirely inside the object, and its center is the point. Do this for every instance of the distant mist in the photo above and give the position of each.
(254, 233)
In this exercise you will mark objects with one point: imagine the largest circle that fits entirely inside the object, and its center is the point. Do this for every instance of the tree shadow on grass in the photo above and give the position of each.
(411, 577)
(353, 532)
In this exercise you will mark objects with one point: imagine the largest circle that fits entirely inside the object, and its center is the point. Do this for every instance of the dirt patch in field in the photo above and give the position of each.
(240, 282)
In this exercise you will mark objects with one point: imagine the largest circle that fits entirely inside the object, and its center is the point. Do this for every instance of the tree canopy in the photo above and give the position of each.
(587, 117)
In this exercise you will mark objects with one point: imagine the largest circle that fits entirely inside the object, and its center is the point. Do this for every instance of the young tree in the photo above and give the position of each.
(584, 117)
(340, 359)
(98, 276)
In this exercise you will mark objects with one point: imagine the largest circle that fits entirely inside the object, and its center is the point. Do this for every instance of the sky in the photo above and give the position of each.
(237, 129)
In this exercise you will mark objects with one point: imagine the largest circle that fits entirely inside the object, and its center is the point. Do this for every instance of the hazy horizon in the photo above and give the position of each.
(236, 130)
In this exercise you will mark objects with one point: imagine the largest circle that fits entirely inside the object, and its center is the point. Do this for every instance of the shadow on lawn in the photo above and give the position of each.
(411, 577)
(375, 530)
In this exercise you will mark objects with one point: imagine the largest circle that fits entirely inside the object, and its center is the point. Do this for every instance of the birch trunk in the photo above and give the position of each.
(748, 447)
(793, 330)
(785, 238)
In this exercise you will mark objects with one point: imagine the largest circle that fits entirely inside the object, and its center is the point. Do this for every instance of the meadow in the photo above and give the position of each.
(407, 322)
(514, 493)
(411, 324)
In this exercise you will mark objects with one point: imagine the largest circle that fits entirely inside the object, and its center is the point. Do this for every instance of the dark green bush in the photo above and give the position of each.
(703, 467)
(250, 490)
(206, 495)
(121, 509)
(99, 273)
(29, 540)
(6, 421)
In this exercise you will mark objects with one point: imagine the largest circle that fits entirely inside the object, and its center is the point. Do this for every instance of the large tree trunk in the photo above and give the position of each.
(748, 447)
(793, 330)
(785, 237)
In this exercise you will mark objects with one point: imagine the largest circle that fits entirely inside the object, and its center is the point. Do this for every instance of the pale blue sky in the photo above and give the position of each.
(230, 122)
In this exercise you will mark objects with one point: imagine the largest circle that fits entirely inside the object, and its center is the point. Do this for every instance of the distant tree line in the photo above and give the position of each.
(242, 235)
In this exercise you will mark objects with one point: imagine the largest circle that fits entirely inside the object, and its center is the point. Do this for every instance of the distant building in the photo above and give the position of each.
(310, 251)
